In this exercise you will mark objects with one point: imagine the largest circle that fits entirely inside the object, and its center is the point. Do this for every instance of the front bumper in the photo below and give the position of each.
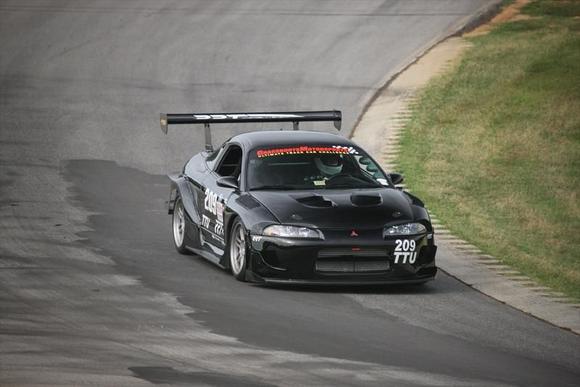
(340, 261)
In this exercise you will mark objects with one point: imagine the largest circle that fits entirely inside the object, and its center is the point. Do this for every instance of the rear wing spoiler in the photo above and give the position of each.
(227, 118)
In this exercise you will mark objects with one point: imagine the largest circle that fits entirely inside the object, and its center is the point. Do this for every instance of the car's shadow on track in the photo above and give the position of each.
(436, 286)
(398, 289)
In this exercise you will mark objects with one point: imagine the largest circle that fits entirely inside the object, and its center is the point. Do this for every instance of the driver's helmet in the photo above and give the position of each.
(329, 164)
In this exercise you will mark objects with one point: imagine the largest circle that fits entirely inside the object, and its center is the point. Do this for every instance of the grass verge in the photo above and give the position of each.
(494, 146)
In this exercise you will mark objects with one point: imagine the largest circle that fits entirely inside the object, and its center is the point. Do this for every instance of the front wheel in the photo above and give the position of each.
(179, 227)
(238, 250)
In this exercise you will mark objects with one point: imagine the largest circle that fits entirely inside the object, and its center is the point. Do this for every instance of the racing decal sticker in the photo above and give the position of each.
(210, 201)
(405, 251)
(302, 149)
(349, 149)
(219, 208)
(214, 204)
(242, 116)
(218, 228)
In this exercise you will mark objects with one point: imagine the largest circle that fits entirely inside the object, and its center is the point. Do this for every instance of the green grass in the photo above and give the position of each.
(494, 147)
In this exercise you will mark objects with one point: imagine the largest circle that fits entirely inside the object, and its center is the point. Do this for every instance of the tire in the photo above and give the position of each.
(179, 227)
(238, 250)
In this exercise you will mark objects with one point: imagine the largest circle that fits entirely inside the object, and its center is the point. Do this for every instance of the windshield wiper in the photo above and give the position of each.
(332, 186)
(273, 187)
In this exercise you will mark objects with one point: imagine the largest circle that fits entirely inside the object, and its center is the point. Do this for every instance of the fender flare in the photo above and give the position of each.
(180, 186)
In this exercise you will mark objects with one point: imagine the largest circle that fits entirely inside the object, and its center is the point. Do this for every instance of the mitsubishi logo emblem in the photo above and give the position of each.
(353, 233)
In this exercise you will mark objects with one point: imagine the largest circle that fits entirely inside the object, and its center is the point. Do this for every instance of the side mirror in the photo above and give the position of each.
(396, 178)
(227, 182)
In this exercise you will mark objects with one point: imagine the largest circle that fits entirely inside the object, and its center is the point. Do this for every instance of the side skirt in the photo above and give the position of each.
(207, 256)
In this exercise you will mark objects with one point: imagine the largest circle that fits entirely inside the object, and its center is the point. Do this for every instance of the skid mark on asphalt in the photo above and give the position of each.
(168, 375)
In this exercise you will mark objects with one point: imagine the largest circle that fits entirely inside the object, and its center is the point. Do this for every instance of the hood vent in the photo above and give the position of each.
(362, 200)
(315, 201)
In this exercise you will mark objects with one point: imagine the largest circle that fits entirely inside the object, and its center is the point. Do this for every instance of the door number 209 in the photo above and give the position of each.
(405, 251)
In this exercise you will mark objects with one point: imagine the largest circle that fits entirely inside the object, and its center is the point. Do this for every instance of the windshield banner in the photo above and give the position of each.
(302, 149)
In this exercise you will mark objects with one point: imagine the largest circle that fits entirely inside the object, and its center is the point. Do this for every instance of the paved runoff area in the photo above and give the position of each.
(379, 131)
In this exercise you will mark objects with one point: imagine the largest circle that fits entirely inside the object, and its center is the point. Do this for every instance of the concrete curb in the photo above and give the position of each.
(482, 15)
(379, 130)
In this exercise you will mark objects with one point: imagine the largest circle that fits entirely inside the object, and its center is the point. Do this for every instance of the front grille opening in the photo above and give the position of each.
(352, 261)
(352, 252)
(329, 265)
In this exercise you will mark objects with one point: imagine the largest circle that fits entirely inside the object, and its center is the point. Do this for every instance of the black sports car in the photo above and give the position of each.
(297, 207)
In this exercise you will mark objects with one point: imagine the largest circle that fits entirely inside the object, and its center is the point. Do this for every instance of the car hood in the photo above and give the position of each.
(338, 209)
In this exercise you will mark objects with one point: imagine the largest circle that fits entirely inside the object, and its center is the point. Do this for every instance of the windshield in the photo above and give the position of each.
(312, 167)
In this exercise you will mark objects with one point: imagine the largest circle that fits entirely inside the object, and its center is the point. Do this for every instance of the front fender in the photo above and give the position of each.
(181, 187)
(254, 215)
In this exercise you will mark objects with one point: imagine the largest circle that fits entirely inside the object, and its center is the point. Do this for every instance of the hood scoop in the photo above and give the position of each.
(337, 209)
(317, 201)
(366, 200)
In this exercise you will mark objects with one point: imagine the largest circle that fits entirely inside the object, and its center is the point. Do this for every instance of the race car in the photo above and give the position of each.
(297, 207)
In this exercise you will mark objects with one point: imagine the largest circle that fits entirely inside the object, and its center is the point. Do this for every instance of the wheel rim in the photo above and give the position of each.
(178, 224)
(238, 249)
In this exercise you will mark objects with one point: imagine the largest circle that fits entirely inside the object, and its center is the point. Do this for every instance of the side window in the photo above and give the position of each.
(214, 156)
(231, 163)
(367, 165)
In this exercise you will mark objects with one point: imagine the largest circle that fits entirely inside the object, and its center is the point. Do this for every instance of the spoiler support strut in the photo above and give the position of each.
(208, 142)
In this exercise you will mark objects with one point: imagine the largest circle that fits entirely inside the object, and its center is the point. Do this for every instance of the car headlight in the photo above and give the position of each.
(278, 230)
(406, 229)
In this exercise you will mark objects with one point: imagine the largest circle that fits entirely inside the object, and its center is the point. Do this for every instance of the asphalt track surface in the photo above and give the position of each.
(91, 289)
